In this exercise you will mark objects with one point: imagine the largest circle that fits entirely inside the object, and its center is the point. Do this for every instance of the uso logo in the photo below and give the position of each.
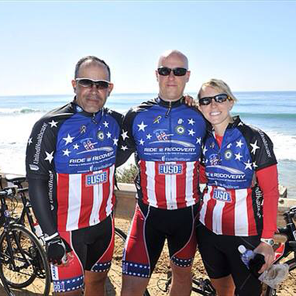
(170, 169)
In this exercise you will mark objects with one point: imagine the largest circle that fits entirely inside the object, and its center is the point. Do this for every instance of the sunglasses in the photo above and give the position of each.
(218, 99)
(87, 82)
(165, 71)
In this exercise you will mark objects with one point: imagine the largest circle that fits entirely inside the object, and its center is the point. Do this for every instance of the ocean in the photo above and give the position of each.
(273, 112)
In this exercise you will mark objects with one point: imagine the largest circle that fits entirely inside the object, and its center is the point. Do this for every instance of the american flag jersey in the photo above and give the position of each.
(76, 151)
(167, 139)
(232, 199)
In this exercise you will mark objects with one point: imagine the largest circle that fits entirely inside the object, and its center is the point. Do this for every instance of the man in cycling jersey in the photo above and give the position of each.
(166, 135)
(70, 164)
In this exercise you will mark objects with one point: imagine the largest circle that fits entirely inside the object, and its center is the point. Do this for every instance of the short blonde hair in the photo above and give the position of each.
(220, 86)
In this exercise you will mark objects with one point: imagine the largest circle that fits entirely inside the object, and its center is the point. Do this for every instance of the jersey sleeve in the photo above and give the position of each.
(40, 150)
(268, 182)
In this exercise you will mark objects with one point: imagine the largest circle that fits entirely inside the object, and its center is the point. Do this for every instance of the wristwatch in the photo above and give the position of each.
(268, 241)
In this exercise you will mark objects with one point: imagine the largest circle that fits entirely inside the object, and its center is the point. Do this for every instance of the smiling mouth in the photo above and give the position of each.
(215, 113)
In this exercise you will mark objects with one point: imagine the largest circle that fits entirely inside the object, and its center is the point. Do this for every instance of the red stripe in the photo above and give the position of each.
(160, 187)
(86, 202)
(144, 181)
(209, 212)
(181, 185)
(228, 215)
(62, 199)
(252, 229)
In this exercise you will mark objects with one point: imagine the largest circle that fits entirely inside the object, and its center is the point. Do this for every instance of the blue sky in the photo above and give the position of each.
(249, 44)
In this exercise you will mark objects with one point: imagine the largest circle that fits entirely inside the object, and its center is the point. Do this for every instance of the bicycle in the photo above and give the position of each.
(287, 250)
(23, 262)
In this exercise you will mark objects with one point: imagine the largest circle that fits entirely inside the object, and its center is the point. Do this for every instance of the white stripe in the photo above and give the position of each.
(171, 191)
(74, 200)
(109, 206)
(97, 200)
(150, 172)
(189, 184)
(203, 210)
(217, 216)
(241, 213)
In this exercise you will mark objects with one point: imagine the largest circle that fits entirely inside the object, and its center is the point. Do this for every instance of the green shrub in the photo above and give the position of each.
(127, 174)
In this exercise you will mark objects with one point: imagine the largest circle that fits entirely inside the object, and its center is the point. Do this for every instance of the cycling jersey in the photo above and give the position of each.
(232, 200)
(167, 138)
(75, 152)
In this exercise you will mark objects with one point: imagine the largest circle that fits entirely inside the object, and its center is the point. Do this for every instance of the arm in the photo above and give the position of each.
(268, 182)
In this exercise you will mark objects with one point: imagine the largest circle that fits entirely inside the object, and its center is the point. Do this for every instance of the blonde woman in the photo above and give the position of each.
(239, 203)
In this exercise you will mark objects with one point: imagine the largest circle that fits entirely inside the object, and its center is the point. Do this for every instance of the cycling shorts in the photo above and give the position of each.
(150, 228)
(221, 258)
(92, 250)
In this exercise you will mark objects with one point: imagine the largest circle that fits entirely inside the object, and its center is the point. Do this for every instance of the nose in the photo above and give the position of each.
(213, 103)
(171, 75)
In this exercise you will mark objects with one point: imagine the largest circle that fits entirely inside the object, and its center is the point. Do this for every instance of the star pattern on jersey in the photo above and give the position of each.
(108, 135)
(76, 146)
(254, 147)
(255, 165)
(109, 111)
(53, 124)
(142, 126)
(198, 141)
(124, 135)
(141, 142)
(148, 136)
(238, 156)
(68, 139)
(106, 124)
(248, 165)
(123, 147)
(191, 121)
(66, 152)
(191, 132)
(30, 141)
(239, 143)
(115, 141)
(49, 156)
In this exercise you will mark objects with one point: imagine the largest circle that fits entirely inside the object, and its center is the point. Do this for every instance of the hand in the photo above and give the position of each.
(189, 101)
(57, 249)
(268, 253)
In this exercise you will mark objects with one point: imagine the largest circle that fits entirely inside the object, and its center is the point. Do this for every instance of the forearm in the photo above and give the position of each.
(38, 192)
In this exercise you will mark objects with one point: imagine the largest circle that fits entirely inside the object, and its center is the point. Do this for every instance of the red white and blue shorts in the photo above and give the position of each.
(150, 228)
(92, 250)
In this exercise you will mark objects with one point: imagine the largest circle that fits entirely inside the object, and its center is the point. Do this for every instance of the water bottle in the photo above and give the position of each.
(39, 232)
(246, 255)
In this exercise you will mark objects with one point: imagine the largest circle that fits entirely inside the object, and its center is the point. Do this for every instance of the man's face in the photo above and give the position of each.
(91, 98)
(171, 87)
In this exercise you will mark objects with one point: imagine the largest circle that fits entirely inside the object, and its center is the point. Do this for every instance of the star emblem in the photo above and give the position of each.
(204, 150)
(239, 143)
(191, 132)
(66, 152)
(30, 141)
(254, 147)
(248, 165)
(238, 156)
(53, 123)
(69, 139)
(141, 142)
(142, 127)
(123, 148)
(191, 121)
(148, 136)
(115, 141)
(109, 111)
(76, 146)
(255, 165)
(124, 135)
(198, 141)
(108, 135)
(106, 124)
(49, 156)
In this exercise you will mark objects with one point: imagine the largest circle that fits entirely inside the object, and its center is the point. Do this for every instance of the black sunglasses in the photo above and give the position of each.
(87, 82)
(165, 71)
(218, 99)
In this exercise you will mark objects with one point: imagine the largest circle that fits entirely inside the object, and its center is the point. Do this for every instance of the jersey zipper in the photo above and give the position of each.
(169, 110)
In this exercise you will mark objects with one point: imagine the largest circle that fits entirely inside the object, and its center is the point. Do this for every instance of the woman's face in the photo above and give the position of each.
(218, 114)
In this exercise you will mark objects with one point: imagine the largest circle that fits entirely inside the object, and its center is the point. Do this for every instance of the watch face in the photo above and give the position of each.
(268, 241)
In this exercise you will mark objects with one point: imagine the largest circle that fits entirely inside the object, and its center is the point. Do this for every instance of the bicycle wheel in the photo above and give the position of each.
(115, 271)
(23, 261)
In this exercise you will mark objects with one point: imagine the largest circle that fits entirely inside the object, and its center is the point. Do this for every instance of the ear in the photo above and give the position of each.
(74, 85)
(188, 75)
(110, 88)
(156, 74)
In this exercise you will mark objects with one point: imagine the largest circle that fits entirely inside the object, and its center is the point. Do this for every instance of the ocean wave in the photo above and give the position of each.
(283, 116)
(24, 110)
